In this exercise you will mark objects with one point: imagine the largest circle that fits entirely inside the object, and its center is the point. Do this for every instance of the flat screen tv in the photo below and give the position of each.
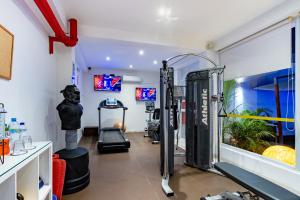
(145, 94)
(107, 83)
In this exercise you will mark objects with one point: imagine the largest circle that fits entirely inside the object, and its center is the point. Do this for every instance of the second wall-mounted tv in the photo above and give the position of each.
(107, 83)
(145, 94)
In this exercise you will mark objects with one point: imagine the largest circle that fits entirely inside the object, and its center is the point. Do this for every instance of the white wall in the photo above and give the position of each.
(135, 115)
(37, 77)
(31, 93)
(79, 75)
(65, 57)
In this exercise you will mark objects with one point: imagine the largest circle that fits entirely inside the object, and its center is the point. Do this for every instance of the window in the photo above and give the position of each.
(261, 110)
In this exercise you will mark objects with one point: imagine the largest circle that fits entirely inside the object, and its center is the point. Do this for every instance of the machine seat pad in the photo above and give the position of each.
(256, 184)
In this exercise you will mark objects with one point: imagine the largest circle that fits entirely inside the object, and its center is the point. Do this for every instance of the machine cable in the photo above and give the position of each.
(288, 98)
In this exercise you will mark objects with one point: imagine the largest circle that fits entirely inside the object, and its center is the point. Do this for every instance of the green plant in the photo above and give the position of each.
(229, 98)
(249, 134)
(229, 94)
(228, 101)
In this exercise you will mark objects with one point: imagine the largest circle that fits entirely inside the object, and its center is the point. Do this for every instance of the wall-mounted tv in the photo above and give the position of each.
(145, 94)
(107, 83)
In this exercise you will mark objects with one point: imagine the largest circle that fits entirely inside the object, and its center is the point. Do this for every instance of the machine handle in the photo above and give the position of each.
(167, 104)
(175, 120)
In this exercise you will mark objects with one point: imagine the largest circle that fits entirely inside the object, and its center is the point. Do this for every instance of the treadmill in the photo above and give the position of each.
(112, 139)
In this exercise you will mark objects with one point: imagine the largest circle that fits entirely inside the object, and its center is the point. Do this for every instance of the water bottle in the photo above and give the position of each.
(13, 131)
(22, 129)
(2, 121)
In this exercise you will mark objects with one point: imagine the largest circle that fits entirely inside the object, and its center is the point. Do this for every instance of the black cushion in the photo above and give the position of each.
(256, 184)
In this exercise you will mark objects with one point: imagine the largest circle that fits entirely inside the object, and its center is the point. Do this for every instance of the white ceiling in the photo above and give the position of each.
(124, 53)
(103, 24)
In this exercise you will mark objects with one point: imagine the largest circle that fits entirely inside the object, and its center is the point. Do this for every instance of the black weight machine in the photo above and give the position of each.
(204, 99)
(168, 120)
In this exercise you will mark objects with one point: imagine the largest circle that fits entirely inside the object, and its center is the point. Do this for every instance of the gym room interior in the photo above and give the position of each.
(149, 100)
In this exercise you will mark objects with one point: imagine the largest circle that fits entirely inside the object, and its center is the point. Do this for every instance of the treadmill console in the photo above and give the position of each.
(111, 102)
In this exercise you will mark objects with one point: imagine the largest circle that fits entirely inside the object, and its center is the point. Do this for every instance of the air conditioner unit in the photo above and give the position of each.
(131, 79)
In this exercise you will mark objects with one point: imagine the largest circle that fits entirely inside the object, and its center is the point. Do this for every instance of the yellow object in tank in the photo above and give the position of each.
(281, 153)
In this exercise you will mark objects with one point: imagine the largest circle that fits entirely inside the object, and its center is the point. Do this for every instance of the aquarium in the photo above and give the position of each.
(260, 111)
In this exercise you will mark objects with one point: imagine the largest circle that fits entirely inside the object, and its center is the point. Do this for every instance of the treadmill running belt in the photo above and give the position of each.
(112, 137)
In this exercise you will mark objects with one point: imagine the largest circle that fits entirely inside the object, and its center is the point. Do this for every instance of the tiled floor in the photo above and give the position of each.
(135, 175)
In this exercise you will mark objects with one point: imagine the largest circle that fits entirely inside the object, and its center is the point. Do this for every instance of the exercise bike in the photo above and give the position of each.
(150, 106)
(152, 129)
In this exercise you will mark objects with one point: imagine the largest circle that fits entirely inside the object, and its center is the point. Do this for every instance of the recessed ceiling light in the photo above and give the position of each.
(165, 14)
(107, 58)
(155, 62)
(130, 66)
(141, 52)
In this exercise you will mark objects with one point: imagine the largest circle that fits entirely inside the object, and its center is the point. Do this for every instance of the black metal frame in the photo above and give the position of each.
(166, 104)
(168, 125)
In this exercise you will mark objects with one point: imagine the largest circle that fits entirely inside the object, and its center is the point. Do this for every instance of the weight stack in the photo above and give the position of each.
(198, 137)
(77, 169)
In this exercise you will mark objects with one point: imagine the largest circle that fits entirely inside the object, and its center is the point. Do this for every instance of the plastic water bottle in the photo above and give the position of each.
(2, 121)
(22, 129)
(13, 131)
(13, 126)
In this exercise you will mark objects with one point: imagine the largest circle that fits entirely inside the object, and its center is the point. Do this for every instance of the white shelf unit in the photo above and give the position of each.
(20, 174)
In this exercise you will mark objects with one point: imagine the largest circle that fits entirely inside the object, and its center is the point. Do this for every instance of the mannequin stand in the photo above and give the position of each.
(77, 158)
(71, 139)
